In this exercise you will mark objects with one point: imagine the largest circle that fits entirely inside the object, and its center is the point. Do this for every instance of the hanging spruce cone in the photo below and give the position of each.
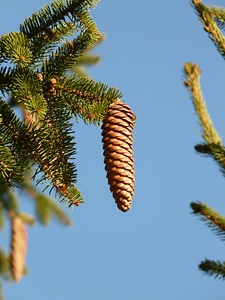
(117, 128)
(18, 248)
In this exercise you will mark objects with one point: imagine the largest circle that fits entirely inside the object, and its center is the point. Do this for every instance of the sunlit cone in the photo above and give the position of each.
(18, 248)
(117, 129)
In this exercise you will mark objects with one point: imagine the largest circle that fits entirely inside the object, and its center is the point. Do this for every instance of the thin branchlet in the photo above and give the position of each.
(192, 82)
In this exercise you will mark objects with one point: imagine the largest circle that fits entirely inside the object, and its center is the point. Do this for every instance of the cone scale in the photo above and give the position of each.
(117, 138)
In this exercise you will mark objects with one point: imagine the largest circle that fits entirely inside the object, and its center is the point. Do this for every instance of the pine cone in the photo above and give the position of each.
(117, 128)
(18, 248)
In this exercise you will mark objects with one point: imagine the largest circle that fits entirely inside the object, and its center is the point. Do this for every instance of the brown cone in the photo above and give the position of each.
(18, 248)
(117, 128)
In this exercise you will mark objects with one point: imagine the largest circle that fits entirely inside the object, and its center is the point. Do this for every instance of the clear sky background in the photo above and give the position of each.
(152, 251)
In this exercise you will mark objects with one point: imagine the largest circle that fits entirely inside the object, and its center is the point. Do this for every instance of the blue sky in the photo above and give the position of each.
(152, 251)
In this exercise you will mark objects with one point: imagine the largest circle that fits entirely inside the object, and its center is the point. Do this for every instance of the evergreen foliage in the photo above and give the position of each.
(213, 21)
(44, 87)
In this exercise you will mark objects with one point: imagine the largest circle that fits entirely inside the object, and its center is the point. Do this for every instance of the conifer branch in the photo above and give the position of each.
(206, 16)
(214, 220)
(192, 82)
(87, 98)
(213, 268)
(28, 90)
(54, 160)
(6, 75)
(66, 55)
(218, 15)
(213, 20)
(52, 14)
(46, 98)
(15, 47)
(13, 153)
(216, 151)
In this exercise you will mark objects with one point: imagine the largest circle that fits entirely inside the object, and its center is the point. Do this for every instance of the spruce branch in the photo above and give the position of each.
(55, 160)
(44, 44)
(213, 268)
(6, 75)
(67, 54)
(206, 16)
(218, 14)
(45, 100)
(214, 220)
(48, 96)
(41, 34)
(13, 153)
(16, 49)
(213, 20)
(28, 91)
(87, 98)
(192, 82)
(55, 13)
(216, 151)
(8, 164)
